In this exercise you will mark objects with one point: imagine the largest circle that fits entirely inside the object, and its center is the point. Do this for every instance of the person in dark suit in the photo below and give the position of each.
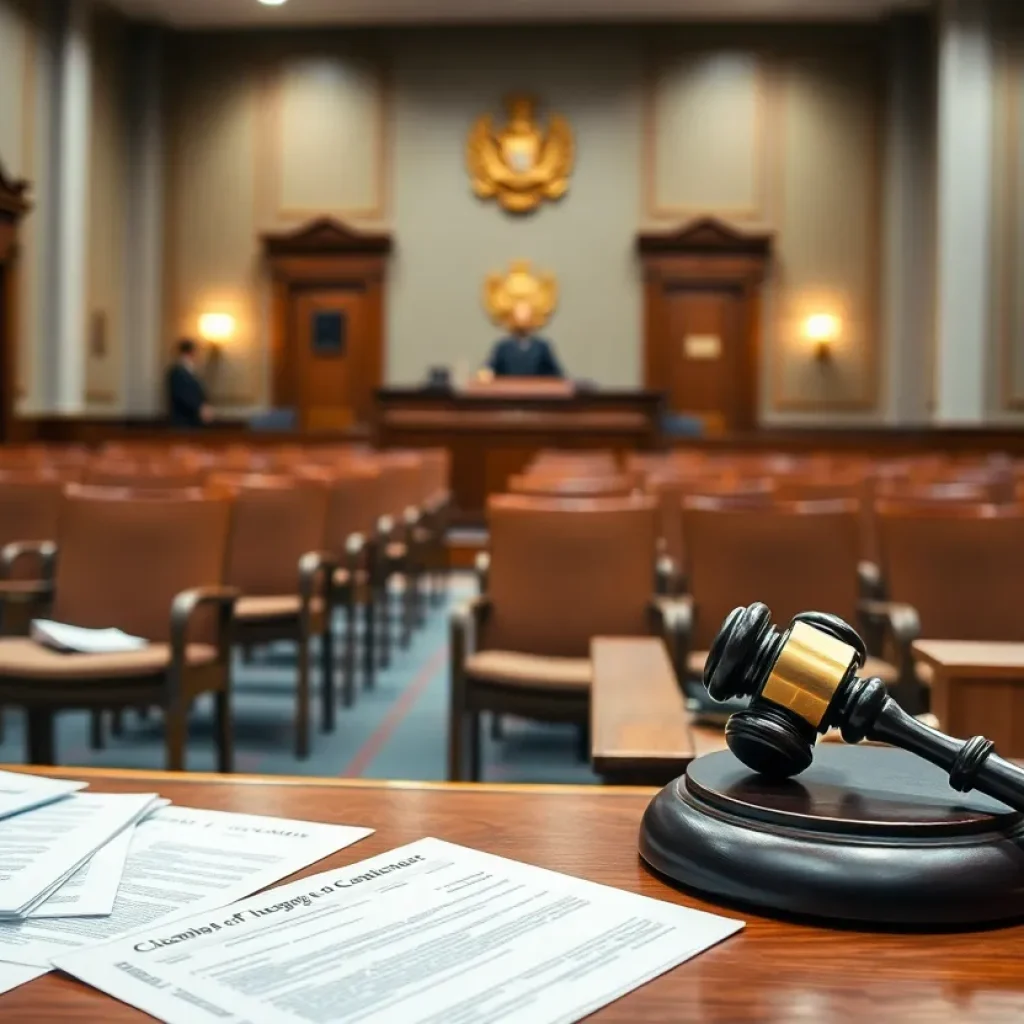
(523, 353)
(187, 403)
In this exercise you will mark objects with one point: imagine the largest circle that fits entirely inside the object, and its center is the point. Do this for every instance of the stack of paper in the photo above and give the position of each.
(81, 868)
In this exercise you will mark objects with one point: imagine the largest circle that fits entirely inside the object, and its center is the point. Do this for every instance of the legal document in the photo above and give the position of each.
(92, 889)
(23, 792)
(430, 933)
(183, 860)
(41, 848)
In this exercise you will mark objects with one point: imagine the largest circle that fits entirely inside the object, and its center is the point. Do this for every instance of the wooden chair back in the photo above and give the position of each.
(563, 571)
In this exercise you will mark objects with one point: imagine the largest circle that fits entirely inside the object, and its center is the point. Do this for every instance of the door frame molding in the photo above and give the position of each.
(326, 253)
(705, 251)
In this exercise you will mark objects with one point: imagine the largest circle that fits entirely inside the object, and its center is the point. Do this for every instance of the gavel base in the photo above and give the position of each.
(867, 836)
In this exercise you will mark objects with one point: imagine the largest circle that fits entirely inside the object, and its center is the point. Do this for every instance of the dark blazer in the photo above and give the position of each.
(185, 396)
(536, 358)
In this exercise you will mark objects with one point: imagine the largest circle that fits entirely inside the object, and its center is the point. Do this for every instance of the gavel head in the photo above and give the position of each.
(794, 679)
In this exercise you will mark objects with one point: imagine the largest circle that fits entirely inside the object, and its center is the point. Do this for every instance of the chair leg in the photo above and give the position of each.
(474, 746)
(583, 741)
(175, 735)
(225, 733)
(497, 727)
(370, 642)
(408, 607)
(302, 696)
(348, 681)
(384, 625)
(39, 741)
(96, 737)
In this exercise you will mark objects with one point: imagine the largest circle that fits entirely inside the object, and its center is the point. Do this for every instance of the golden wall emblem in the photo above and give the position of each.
(519, 164)
(519, 285)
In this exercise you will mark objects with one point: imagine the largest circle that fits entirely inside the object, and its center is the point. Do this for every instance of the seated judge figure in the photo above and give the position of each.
(522, 353)
(187, 403)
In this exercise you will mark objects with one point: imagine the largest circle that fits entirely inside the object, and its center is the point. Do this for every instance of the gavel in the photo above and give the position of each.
(803, 681)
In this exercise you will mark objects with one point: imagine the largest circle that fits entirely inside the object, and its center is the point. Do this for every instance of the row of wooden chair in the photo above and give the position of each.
(300, 546)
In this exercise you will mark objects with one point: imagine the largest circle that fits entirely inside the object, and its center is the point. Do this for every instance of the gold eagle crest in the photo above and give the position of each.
(503, 292)
(519, 165)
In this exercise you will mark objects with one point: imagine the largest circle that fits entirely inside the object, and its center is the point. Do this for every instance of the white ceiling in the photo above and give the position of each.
(250, 13)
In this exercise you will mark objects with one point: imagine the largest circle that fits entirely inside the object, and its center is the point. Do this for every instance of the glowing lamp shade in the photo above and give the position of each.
(216, 327)
(822, 328)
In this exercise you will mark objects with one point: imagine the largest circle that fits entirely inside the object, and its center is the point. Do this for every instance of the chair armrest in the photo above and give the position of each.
(673, 617)
(44, 550)
(316, 566)
(666, 576)
(902, 626)
(465, 623)
(872, 587)
(482, 568)
(187, 603)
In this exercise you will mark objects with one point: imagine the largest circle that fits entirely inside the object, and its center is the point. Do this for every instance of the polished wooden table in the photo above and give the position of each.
(493, 436)
(640, 730)
(771, 973)
(978, 689)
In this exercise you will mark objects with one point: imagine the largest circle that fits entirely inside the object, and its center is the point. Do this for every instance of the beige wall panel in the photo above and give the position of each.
(104, 367)
(708, 114)
(211, 238)
(828, 254)
(447, 240)
(329, 144)
(15, 64)
(1006, 386)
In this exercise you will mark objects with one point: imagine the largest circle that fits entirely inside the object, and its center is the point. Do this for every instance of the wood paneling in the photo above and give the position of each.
(13, 207)
(773, 972)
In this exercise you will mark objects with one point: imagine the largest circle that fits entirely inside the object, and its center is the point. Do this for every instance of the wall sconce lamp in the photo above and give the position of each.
(215, 329)
(822, 330)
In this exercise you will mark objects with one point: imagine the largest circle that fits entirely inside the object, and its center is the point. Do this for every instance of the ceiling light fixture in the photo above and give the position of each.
(273, 3)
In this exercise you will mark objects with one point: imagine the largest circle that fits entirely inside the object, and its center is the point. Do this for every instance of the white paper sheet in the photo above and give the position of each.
(183, 860)
(59, 636)
(427, 934)
(92, 889)
(20, 792)
(13, 975)
(41, 848)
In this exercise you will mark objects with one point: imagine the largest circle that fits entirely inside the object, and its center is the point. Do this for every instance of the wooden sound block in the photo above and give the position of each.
(866, 836)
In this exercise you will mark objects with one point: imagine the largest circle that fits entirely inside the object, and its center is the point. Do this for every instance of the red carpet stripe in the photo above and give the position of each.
(375, 742)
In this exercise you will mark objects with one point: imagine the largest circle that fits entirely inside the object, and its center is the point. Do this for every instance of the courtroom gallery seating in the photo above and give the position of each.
(560, 572)
(277, 562)
(152, 566)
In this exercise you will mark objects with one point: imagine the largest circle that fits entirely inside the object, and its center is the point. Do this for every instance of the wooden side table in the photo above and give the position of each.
(978, 689)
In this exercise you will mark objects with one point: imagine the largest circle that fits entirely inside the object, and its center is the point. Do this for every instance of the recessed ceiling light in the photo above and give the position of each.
(273, 3)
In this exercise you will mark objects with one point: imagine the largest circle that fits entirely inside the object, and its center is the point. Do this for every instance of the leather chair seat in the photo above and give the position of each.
(22, 658)
(259, 609)
(889, 674)
(509, 668)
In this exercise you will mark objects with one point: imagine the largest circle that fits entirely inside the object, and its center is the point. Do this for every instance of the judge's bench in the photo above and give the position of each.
(494, 429)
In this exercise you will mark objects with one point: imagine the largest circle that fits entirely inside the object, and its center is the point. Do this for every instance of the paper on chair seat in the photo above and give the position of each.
(20, 792)
(183, 860)
(59, 636)
(426, 934)
(40, 849)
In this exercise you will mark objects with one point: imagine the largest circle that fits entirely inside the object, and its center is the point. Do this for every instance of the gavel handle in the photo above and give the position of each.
(971, 764)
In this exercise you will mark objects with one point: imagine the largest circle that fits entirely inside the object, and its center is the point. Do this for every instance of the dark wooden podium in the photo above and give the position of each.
(493, 435)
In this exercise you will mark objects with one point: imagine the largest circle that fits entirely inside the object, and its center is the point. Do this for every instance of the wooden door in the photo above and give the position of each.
(702, 310)
(327, 323)
(705, 358)
(329, 346)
